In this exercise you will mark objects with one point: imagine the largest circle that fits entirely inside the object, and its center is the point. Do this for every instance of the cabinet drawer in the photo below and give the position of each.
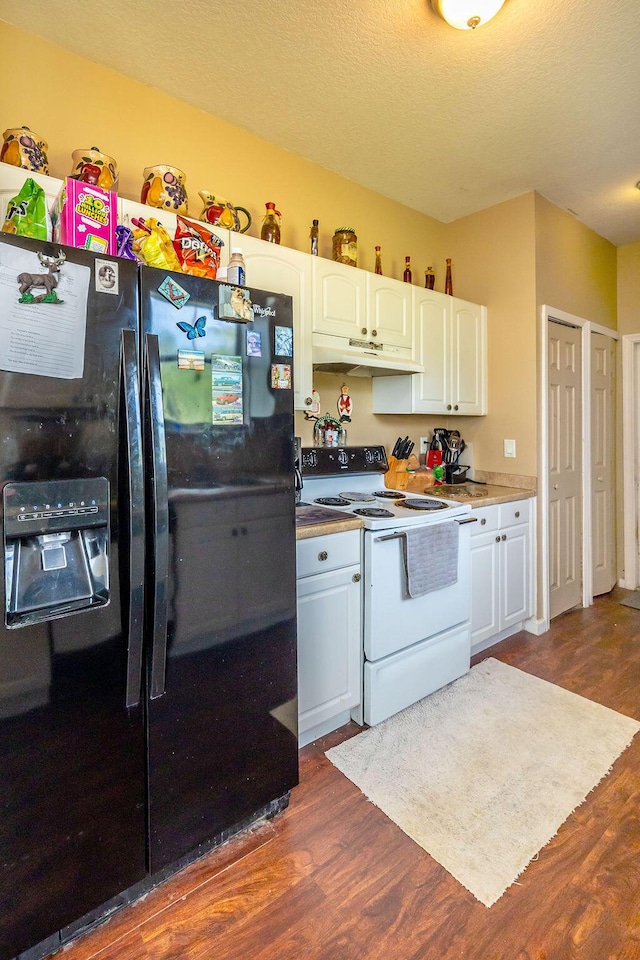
(516, 511)
(488, 519)
(329, 552)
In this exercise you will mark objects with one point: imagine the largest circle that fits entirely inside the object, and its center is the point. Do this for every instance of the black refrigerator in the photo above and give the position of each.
(148, 691)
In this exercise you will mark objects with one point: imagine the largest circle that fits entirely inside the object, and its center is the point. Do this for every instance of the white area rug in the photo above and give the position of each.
(482, 773)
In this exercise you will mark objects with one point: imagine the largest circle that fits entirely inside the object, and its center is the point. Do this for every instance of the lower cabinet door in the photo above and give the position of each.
(485, 586)
(515, 574)
(329, 647)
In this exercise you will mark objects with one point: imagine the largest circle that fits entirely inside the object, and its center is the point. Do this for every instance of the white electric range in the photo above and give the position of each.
(412, 645)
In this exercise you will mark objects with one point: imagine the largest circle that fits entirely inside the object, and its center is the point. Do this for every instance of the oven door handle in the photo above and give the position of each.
(399, 536)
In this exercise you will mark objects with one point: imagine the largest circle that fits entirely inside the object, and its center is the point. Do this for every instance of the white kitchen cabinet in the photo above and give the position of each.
(389, 311)
(339, 300)
(501, 572)
(356, 304)
(451, 343)
(329, 632)
(282, 270)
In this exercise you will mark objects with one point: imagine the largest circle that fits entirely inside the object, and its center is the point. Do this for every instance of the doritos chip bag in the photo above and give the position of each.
(197, 249)
(27, 214)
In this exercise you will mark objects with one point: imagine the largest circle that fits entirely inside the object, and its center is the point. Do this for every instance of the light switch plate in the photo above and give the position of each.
(509, 448)
(424, 444)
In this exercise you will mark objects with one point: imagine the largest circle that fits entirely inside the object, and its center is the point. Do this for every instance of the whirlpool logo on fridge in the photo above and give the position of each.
(263, 311)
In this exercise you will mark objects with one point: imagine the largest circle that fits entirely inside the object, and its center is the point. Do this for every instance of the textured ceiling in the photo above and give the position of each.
(544, 97)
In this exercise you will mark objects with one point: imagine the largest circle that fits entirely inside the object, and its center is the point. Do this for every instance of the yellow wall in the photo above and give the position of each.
(493, 263)
(628, 323)
(140, 126)
(629, 289)
(575, 268)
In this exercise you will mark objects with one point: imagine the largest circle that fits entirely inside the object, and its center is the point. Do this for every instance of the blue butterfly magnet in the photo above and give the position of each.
(197, 330)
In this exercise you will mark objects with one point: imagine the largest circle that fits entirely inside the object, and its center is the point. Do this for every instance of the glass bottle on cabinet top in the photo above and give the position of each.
(271, 224)
(429, 278)
(378, 269)
(313, 236)
(448, 282)
(407, 270)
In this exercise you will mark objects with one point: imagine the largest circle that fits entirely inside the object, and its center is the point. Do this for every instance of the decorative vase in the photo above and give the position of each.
(219, 212)
(92, 166)
(24, 148)
(164, 187)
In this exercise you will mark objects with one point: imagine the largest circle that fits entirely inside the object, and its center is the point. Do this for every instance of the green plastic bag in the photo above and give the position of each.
(27, 214)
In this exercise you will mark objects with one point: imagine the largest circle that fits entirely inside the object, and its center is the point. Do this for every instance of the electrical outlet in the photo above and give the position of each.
(510, 448)
(424, 444)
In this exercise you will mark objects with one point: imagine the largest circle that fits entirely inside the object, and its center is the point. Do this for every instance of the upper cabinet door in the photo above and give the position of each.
(469, 358)
(432, 389)
(339, 300)
(282, 270)
(389, 311)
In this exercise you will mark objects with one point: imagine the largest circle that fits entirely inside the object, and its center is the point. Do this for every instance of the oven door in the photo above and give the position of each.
(392, 619)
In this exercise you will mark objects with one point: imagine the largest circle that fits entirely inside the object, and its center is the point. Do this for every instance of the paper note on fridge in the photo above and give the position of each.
(43, 313)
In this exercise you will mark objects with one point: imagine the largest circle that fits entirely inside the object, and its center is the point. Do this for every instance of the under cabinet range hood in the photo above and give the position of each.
(360, 358)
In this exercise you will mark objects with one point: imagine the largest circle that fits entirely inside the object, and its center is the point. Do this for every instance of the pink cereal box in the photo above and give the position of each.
(85, 216)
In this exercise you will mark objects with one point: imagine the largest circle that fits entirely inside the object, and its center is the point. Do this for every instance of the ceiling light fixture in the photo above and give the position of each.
(467, 14)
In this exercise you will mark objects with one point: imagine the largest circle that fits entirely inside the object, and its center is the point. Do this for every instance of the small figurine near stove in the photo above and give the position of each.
(345, 405)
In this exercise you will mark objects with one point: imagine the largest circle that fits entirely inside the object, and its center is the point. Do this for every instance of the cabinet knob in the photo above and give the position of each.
(504, 536)
(308, 401)
(497, 539)
(455, 407)
(448, 406)
(363, 330)
(356, 578)
(517, 513)
(555, 486)
(323, 555)
(374, 333)
(483, 521)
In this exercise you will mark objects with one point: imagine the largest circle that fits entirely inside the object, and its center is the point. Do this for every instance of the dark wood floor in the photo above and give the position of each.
(333, 879)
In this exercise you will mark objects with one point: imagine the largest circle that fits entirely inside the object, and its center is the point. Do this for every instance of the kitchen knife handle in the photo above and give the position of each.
(160, 510)
(135, 491)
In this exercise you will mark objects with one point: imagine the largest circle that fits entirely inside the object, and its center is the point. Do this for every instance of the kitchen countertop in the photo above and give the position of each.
(484, 495)
(313, 520)
(333, 526)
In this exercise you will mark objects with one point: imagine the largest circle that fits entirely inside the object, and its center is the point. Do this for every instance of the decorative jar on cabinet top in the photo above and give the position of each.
(345, 246)
(165, 187)
(24, 148)
(92, 166)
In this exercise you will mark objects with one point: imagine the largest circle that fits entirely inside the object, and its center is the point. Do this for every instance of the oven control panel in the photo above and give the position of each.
(332, 461)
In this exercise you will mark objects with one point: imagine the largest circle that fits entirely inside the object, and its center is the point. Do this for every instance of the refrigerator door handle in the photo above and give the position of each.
(135, 490)
(160, 523)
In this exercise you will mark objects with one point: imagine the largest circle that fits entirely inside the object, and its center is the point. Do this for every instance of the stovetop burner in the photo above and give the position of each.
(378, 513)
(422, 504)
(333, 501)
(358, 497)
(389, 495)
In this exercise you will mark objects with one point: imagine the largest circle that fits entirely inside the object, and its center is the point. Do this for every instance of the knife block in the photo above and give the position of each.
(396, 477)
(405, 475)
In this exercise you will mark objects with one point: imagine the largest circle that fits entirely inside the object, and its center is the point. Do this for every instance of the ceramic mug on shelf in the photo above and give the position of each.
(164, 187)
(92, 166)
(24, 148)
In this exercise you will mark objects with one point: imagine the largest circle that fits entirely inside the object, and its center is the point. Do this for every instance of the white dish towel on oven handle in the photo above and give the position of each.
(430, 557)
